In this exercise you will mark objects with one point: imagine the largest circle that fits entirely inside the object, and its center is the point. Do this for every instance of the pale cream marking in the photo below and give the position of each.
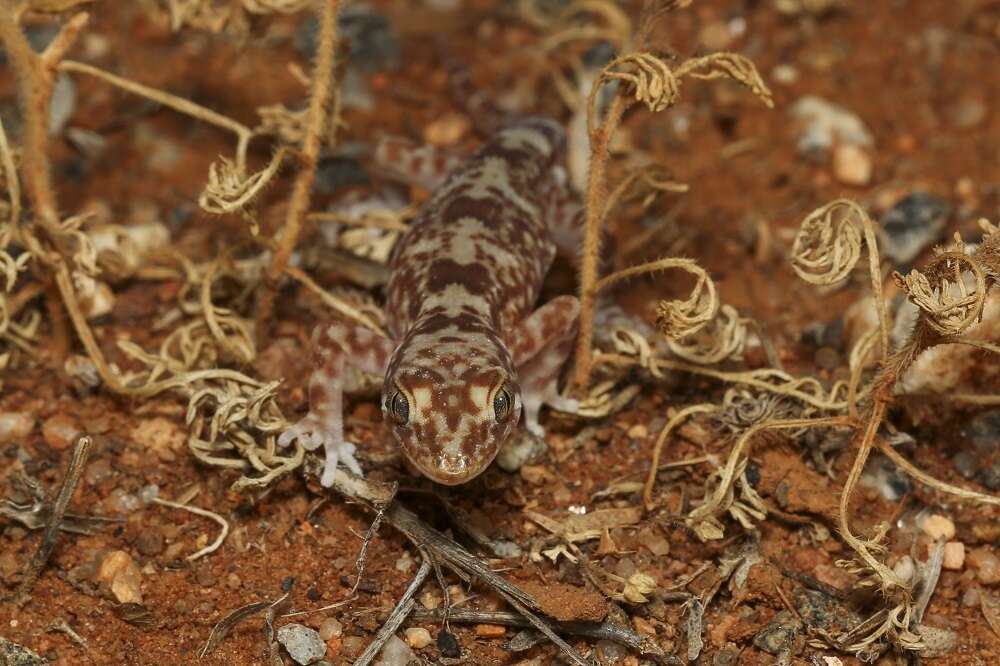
(517, 138)
(421, 403)
(479, 394)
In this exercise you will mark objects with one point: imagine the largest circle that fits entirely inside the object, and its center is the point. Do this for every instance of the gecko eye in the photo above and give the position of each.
(400, 408)
(501, 404)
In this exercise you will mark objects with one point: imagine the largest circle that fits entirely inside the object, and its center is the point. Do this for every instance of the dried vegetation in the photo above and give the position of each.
(224, 312)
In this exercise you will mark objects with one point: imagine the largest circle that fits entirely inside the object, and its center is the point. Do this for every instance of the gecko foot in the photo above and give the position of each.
(312, 432)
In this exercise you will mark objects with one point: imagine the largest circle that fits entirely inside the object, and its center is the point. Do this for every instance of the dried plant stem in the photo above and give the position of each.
(35, 75)
(889, 578)
(397, 617)
(81, 449)
(179, 104)
(341, 306)
(716, 500)
(298, 205)
(597, 196)
(10, 176)
(223, 533)
(647, 491)
(34, 91)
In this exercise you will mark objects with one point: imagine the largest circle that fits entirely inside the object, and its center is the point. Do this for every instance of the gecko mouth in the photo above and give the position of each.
(451, 470)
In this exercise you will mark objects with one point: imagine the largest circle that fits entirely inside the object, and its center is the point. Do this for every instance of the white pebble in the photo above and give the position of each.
(330, 628)
(954, 555)
(852, 165)
(395, 653)
(937, 527)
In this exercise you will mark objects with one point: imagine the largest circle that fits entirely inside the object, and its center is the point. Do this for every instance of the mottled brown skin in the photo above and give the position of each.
(466, 351)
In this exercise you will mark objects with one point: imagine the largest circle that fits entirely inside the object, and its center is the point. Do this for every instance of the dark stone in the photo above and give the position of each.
(598, 55)
(448, 645)
(150, 542)
(334, 173)
(983, 432)
(912, 225)
(990, 477)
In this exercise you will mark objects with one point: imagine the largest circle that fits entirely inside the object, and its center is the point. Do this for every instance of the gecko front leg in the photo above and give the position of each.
(340, 352)
(540, 345)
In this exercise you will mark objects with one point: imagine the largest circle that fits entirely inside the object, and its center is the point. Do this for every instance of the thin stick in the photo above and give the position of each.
(647, 490)
(179, 104)
(212, 547)
(595, 630)
(298, 205)
(81, 449)
(399, 613)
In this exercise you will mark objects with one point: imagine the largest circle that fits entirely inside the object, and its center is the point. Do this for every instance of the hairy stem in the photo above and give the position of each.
(597, 193)
(298, 205)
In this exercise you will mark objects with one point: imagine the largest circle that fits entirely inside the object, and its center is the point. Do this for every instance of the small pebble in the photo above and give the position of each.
(62, 104)
(785, 74)
(353, 645)
(986, 564)
(983, 431)
(430, 599)
(120, 571)
(330, 628)
(644, 626)
(121, 501)
(303, 644)
(954, 555)
(60, 431)
(15, 425)
(937, 527)
(827, 358)
(852, 165)
(233, 582)
(905, 568)
(447, 130)
(395, 653)
(638, 431)
(970, 599)
(405, 562)
(490, 630)
(98, 471)
(418, 638)
(150, 542)
(653, 541)
(968, 113)
(824, 124)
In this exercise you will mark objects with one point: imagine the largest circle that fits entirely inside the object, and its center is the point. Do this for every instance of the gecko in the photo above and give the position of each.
(467, 348)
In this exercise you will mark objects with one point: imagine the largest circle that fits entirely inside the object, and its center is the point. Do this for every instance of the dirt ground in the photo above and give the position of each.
(924, 79)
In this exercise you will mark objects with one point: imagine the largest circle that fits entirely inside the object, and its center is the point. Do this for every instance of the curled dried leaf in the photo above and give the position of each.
(276, 6)
(287, 125)
(648, 79)
(950, 292)
(680, 319)
(724, 337)
(231, 190)
(638, 586)
(828, 244)
(728, 65)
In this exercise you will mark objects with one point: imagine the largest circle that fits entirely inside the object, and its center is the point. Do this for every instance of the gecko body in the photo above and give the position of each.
(467, 350)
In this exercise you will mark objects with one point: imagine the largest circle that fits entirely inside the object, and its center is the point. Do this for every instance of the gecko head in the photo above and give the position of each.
(451, 421)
